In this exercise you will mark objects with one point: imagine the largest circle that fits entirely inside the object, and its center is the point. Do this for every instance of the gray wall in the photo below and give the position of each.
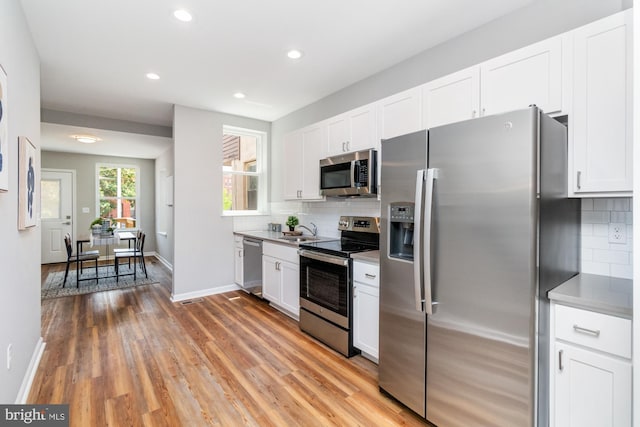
(540, 20)
(19, 250)
(203, 255)
(85, 167)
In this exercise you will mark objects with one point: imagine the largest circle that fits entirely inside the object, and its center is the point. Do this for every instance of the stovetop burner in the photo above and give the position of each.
(358, 234)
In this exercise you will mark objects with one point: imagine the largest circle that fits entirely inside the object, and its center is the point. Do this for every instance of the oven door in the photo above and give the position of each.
(325, 282)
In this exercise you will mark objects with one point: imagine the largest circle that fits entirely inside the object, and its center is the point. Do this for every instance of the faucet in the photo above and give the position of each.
(313, 232)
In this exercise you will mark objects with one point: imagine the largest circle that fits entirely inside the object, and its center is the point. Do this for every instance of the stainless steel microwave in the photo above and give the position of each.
(349, 175)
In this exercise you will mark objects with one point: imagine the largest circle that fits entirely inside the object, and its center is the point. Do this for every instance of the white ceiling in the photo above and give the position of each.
(95, 54)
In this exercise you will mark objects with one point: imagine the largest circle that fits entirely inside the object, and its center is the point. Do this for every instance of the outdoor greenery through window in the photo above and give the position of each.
(243, 178)
(118, 195)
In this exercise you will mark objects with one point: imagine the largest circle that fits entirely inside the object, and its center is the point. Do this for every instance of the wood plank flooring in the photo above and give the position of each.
(133, 358)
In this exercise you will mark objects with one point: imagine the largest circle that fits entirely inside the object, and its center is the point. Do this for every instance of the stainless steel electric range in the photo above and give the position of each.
(326, 282)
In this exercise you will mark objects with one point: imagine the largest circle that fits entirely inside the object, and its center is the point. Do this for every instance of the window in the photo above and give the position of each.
(244, 182)
(118, 194)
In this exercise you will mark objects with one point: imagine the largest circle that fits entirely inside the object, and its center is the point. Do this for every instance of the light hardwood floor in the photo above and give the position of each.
(133, 358)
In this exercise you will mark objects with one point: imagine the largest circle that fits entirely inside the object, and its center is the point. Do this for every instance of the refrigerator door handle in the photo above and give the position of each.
(428, 206)
(417, 236)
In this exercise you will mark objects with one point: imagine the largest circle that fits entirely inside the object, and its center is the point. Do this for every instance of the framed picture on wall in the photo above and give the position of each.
(27, 194)
(4, 133)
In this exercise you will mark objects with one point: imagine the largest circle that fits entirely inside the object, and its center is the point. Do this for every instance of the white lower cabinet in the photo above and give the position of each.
(591, 376)
(238, 252)
(366, 297)
(281, 278)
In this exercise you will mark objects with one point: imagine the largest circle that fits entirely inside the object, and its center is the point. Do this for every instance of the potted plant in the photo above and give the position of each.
(96, 225)
(292, 221)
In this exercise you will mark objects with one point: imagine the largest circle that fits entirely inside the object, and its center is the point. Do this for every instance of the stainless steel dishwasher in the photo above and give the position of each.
(252, 266)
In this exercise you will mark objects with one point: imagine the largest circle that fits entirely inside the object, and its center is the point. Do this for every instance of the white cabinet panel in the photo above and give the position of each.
(531, 75)
(601, 120)
(352, 131)
(452, 98)
(290, 287)
(281, 278)
(303, 150)
(238, 260)
(270, 279)
(366, 297)
(400, 114)
(592, 390)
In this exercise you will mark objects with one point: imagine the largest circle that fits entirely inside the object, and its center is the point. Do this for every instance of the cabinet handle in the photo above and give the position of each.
(343, 149)
(277, 266)
(560, 367)
(348, 146)
(370, 276)
(240, 254)
(592, 332)
(578, 176)
(473, 114)
(483, 111)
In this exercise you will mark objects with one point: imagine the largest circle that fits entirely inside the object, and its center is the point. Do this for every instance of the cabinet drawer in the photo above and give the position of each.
(283, 252)
(602, 332)
(366, 273)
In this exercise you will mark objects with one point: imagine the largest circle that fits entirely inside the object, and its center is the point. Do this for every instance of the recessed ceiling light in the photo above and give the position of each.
(86, 139)
(152, 76)
(294, 54)
(182, 15)
(239, 95)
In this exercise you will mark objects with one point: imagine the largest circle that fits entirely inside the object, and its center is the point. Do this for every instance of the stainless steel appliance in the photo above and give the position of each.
(349, 175)
(470, 247)
(252, 266)
(326, 281)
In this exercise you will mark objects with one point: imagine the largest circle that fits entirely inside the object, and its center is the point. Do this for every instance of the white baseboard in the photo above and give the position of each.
(204, 293)
(164, 262)
(27, 381)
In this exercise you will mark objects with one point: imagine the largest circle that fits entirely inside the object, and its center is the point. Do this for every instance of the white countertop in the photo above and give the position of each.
(608, 295)
(275, 236)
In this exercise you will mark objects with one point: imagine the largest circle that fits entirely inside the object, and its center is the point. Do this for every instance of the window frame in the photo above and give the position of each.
(262, 143)
(137, 198)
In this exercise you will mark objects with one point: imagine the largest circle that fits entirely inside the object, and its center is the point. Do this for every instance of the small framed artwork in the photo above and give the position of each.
(4, 133)
(26, 183)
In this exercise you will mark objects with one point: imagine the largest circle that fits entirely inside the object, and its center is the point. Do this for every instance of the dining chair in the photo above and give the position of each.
(79, 259)
(136, 252)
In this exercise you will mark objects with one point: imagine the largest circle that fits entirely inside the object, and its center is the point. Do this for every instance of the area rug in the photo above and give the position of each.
(52, 287)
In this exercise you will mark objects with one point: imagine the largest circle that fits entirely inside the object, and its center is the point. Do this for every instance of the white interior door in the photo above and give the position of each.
(57, 213)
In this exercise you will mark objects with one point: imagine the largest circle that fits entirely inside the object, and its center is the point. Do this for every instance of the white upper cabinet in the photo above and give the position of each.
(451, 98)
(303, 150)
(352, 131)
(400, 114)
(531, 75)
(600, 140)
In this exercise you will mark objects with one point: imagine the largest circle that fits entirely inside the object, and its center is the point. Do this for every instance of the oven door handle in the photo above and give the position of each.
(331, 259)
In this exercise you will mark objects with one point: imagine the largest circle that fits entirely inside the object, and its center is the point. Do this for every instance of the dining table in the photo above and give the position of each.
(108, 240)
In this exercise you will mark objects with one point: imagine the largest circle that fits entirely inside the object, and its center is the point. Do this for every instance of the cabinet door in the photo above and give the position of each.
(400, 114)
(602, 106)
(452, 98)
(366, 318)
(290, 287)
(337, 134)
(531, 75)
(362, 129)
(292, 171)
(271, 279)
(314, 149)
(591, 389)
(238, 276)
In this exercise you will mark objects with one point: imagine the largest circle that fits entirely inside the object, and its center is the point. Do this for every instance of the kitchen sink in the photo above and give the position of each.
(299, 239)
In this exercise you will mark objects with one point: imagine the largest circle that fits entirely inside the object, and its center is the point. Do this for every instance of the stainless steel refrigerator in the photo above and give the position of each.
(476, 227)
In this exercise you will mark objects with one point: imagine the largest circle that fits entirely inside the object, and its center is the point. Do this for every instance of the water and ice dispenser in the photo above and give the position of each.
(401, 230)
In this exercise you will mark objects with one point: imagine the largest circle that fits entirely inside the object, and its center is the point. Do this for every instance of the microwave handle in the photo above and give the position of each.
(354, 170)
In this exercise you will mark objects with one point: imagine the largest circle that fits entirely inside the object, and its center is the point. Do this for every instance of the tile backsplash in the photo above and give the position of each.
(601, 253)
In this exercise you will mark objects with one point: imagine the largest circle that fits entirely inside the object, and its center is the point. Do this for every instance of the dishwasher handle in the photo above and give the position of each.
(255, 243)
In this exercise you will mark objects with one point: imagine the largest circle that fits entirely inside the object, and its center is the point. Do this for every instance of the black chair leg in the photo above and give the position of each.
(97, 271)
(66, 273)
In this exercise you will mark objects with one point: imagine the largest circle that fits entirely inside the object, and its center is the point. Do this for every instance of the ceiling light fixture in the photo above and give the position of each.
(294, 54)
(182, 15)
(85, 139)
(153, 76)
(239, 95)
